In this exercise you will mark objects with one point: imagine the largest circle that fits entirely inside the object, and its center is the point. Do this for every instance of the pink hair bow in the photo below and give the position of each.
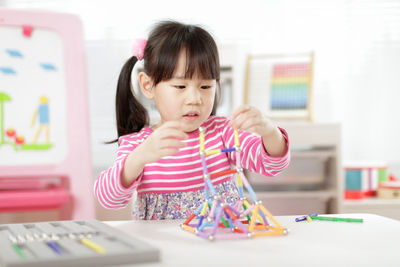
(138, 47)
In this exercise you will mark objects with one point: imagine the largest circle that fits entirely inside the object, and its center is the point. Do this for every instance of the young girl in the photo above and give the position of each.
(161, 162)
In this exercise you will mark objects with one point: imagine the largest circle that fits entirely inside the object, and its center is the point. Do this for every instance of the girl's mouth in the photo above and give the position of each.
(191, 115)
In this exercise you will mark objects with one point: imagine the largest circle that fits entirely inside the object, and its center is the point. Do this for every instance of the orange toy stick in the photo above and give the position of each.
(217, 174)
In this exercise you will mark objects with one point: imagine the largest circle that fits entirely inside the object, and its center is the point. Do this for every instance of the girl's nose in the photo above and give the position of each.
(193, 96)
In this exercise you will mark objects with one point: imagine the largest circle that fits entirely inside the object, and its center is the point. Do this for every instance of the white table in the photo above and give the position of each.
(375, 242)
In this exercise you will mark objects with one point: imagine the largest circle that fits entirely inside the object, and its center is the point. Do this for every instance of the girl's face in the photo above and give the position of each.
(189, 101)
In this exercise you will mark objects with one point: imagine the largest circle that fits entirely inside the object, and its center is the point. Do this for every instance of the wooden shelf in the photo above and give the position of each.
(314, 153)
(384, 207)
(371, 202)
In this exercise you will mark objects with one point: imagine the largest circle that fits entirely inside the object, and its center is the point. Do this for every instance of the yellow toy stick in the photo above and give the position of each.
(92, 245)
(188, 228)
(211, 152)
(240, 183)
(237, 141)
(201, 141)
(203, 212)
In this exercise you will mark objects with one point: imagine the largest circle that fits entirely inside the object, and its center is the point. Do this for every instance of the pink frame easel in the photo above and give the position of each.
(74, 197)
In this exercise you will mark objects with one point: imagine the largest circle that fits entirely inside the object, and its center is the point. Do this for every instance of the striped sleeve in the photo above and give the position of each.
(108, 189)
(253, 155)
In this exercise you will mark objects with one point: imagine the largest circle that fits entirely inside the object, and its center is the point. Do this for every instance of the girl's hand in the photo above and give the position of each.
(250, 119)
(164, 141)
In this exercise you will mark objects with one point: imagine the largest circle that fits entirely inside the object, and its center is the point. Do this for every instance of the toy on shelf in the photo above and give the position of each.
(219, 220)
(362, 179)
(389, 189)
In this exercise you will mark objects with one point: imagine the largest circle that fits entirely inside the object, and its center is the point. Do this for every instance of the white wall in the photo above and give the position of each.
(356, 44)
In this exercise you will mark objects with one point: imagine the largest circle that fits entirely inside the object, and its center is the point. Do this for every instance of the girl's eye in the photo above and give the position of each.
(180, 86)
(205, 87)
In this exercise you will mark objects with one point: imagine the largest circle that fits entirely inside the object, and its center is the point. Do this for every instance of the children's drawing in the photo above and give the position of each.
(3, 98)
(32, 94)
(14, 53)
(42, 113)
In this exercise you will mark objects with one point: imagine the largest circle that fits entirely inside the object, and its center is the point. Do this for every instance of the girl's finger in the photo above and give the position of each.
(239, 110)
(237, 123)
(253, 129)
(249, 123)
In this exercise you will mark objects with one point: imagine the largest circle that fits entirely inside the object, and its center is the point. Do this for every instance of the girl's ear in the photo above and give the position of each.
(146, 85)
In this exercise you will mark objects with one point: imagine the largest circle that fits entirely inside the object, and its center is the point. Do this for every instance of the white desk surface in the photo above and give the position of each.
(375, 242)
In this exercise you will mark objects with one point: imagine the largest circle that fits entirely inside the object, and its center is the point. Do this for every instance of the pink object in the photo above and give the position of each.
(27, 183)
(291, 70)
(212, 211)
(74, 171)
(27, 30)
(392, 177)
(23, 200)
(138, 47)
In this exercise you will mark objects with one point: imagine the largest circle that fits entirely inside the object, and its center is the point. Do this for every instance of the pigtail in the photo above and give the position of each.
(131, 115)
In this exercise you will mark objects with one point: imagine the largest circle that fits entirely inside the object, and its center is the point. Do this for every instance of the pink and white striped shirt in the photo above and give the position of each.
(183, 171)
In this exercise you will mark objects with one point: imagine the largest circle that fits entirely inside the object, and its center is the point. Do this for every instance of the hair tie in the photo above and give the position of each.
(138, 47)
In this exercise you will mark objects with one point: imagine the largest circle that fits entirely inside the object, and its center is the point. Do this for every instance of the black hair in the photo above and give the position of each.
(165, 42)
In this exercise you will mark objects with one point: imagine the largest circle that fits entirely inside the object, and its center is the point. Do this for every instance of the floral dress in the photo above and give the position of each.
(179, 205)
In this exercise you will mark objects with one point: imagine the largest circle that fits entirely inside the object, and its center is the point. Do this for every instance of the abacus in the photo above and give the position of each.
(68, 243)
(214, 219)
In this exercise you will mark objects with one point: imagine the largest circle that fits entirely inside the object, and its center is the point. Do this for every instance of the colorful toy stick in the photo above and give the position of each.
(53, 245)
(92, 245)
(336, 219)
(16, 247)
(314, 216)
(303, 218)
(218, 220)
